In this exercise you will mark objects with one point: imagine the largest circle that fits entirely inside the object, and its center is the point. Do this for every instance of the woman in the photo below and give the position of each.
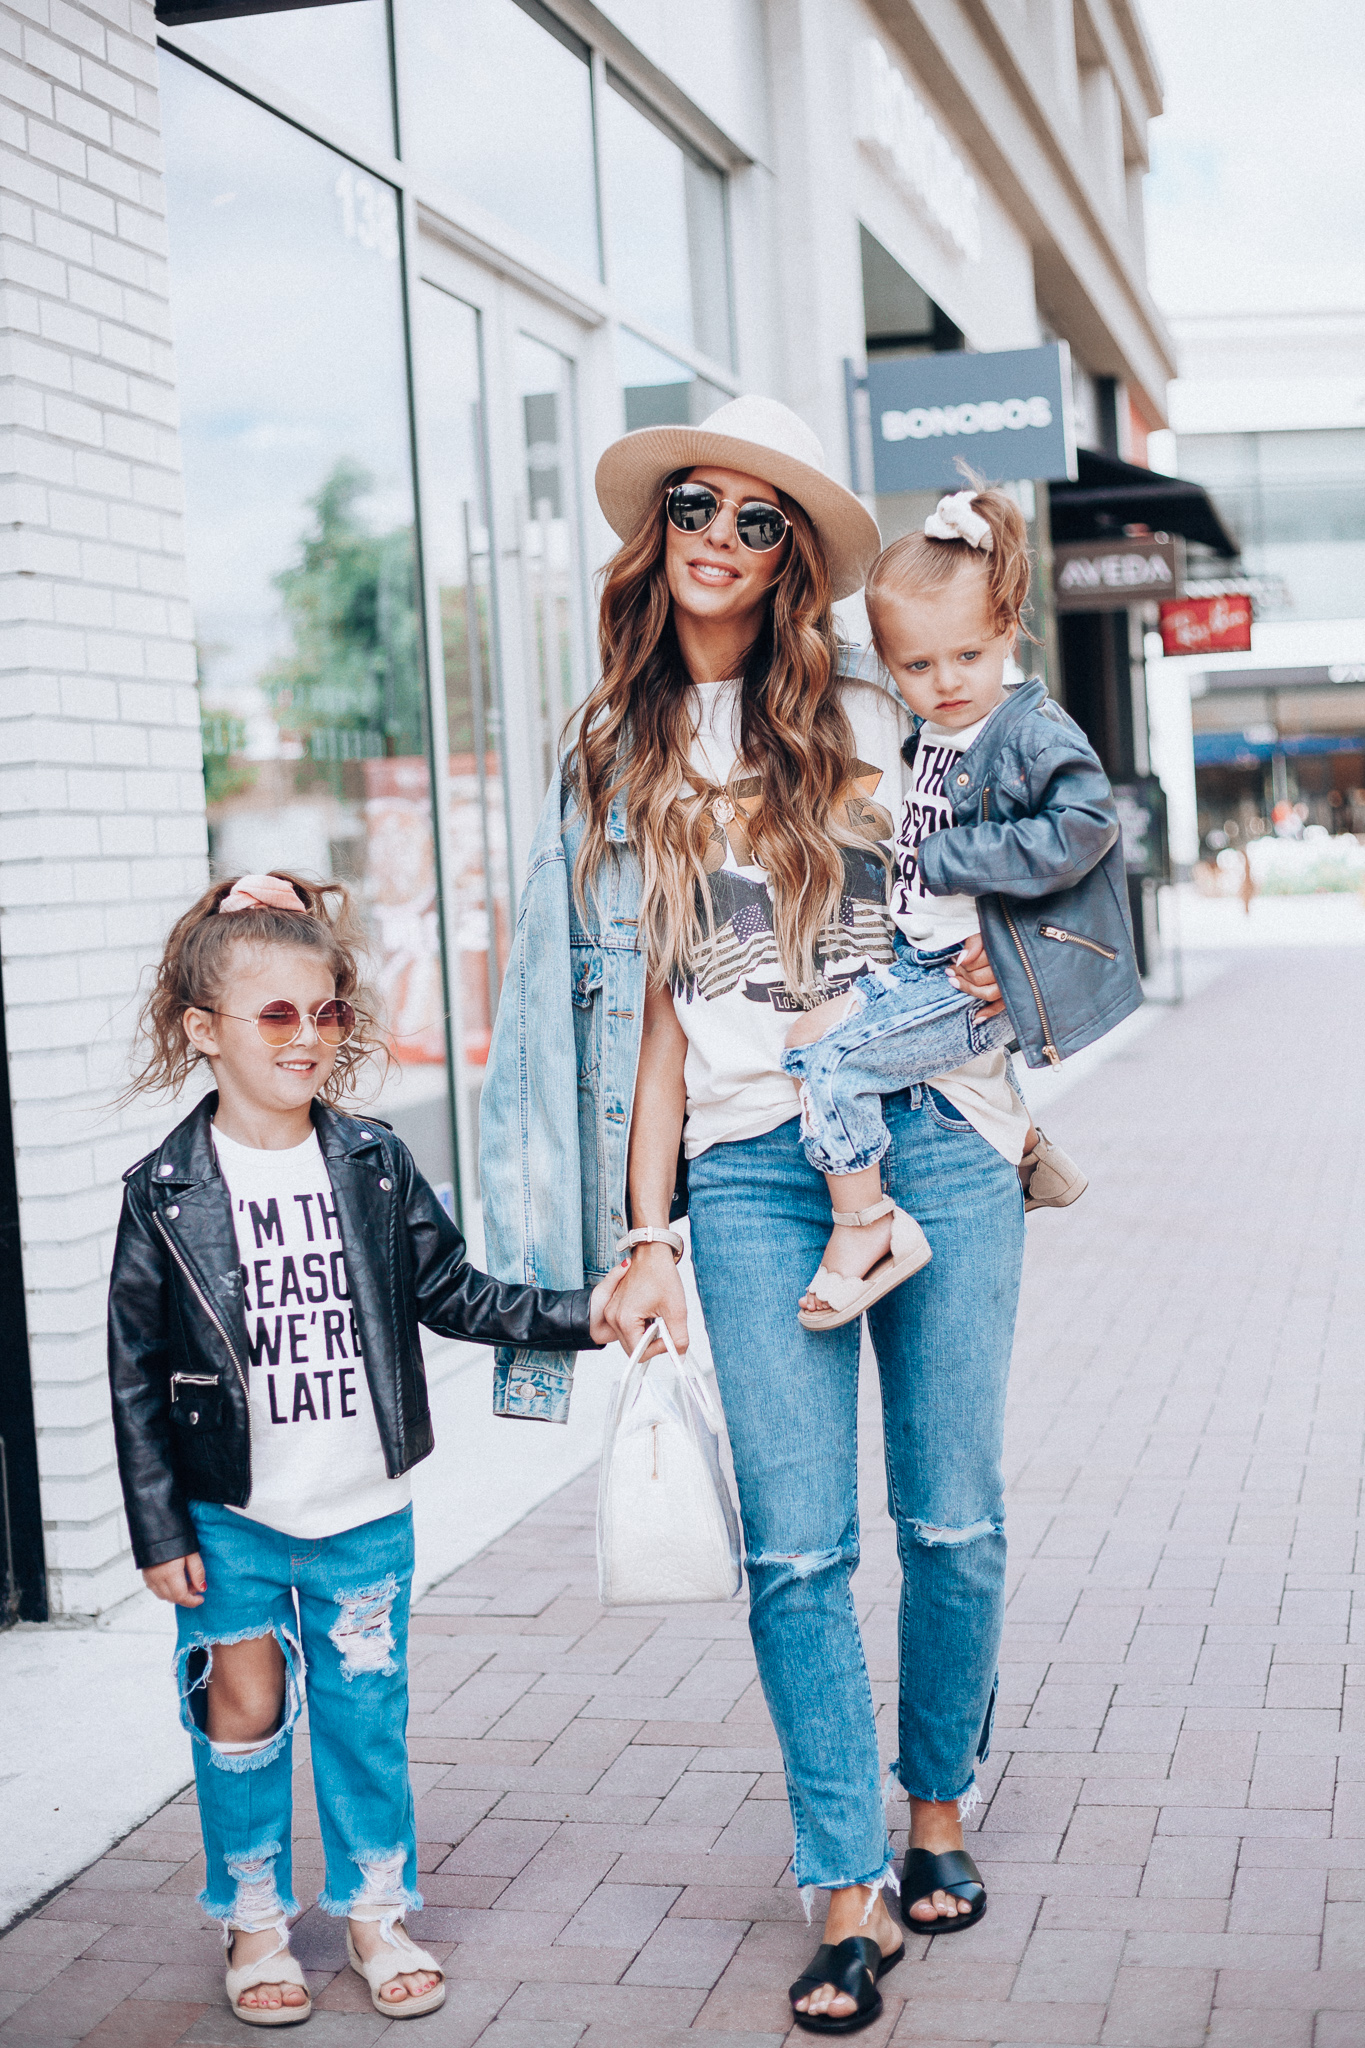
(714, 862)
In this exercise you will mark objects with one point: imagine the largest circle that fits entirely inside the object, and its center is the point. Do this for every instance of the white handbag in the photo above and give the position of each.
(666, 1525)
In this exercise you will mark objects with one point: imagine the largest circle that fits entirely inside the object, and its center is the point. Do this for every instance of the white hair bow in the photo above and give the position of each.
(953, 519)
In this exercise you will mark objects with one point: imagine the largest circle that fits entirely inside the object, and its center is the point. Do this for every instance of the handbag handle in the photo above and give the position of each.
(684, 1366)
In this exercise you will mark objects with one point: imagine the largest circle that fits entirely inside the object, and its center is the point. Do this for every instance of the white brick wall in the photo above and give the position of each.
(102, 836)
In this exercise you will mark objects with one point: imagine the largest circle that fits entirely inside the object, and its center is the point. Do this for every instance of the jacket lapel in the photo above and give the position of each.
(193, 1211)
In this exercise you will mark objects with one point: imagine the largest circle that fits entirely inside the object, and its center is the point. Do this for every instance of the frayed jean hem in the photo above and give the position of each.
(885, 1879)
(968, 1799)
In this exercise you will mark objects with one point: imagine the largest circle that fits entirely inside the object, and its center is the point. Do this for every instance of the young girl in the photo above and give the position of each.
(275, 1256)
(1009, 833)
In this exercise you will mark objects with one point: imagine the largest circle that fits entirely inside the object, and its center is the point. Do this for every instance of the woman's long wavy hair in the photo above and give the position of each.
(636, 734)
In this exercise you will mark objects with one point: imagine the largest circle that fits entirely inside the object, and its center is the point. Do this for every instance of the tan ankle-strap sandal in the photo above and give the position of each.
(399, 1957)
(1056, 1181)
(278, 1966)
(847, 1296)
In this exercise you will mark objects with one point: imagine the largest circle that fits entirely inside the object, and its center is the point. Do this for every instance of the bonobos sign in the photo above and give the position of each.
(1008, 414)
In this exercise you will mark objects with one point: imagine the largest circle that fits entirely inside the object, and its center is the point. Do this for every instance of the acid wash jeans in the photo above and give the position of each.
(760, 1220)
(338, 1608)
(906, 1023)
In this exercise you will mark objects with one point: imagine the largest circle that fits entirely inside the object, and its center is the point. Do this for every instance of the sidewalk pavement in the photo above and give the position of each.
(102, 1745)
(1174, 1833)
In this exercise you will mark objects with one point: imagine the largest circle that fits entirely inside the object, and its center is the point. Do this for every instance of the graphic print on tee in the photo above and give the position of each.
(317, 1464)
(744, 953)
(301, 1328)
(925, 810)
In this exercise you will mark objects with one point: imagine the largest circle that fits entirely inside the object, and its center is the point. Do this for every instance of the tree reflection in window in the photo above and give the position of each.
(351, 688)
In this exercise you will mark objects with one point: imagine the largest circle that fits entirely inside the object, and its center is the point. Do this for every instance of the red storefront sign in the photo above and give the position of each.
(1206, 625)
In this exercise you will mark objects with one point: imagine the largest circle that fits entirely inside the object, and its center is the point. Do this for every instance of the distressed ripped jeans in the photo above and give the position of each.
(338, 1608)
(907, 1023)
(760, 1219)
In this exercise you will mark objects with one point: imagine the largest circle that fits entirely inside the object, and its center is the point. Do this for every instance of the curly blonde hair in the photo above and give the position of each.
(195, 964)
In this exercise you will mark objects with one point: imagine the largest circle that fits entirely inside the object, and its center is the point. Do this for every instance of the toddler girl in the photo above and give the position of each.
(275, 1256)
(1008, 839)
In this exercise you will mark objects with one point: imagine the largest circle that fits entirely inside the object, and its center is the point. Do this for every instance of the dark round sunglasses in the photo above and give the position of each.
(760, 527)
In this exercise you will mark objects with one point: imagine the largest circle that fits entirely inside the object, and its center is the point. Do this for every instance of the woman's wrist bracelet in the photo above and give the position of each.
(650, 1235)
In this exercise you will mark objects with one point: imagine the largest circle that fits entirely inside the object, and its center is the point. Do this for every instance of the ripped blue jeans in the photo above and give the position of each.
(906, 1023)
(760, 1220)
(338, 1608)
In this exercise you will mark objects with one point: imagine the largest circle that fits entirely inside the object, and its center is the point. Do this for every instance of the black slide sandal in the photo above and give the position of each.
(852, 1966)
(923, 1874)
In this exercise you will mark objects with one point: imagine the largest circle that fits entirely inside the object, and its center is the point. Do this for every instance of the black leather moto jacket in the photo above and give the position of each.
(178, 1358)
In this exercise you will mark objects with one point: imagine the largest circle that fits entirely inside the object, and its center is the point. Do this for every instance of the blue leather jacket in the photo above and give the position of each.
(1036, 841)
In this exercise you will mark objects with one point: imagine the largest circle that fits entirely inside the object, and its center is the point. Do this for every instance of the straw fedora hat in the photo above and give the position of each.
(763, 439)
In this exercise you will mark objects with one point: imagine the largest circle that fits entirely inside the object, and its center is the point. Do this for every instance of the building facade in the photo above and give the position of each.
(314, 321)
(1269, 414)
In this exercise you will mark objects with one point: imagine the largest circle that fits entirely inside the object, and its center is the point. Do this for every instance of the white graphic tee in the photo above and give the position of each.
(317, 1465)
(931, 921)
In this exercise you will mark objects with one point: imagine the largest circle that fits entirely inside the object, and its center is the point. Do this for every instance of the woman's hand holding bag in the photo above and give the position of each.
(666, 1524)
(651, 1292)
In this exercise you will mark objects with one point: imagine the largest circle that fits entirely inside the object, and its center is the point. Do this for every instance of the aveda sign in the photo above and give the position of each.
(894, 125)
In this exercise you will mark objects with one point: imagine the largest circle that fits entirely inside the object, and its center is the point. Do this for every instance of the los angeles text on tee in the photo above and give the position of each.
(317, 1465)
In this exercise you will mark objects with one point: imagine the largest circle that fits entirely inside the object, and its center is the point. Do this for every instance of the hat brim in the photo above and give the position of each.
(630, 476)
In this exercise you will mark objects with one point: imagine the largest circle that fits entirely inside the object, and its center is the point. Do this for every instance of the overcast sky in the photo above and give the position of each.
(1256, 200)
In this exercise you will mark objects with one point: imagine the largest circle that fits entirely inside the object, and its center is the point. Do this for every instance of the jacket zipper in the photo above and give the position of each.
(1050, 1052)
(204, 1303)
(1064, 938)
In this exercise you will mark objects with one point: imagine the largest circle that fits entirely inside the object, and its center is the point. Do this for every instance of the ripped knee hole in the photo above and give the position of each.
(933, 1537)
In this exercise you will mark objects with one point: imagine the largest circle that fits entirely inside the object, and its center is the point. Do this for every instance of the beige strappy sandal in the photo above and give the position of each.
(400, 1957)
(1056, 1181)
(847, 1296)
(277, 1967)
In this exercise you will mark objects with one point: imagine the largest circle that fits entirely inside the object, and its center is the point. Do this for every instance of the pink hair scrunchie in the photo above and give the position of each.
(261, 892)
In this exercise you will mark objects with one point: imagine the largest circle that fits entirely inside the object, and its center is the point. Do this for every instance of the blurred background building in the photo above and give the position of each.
(1269, 412)
(313, 322)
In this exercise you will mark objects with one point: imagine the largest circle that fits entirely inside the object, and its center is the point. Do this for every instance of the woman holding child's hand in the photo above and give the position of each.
(715, 860)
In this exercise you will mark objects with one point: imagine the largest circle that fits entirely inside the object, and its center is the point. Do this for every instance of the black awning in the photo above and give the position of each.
(1109, 495)
(185, 13)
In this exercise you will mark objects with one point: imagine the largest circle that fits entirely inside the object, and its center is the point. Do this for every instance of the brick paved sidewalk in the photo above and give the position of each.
(1175, 1833)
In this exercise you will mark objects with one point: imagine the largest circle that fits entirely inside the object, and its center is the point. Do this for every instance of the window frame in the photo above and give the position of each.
(427, 201)
(427, 207)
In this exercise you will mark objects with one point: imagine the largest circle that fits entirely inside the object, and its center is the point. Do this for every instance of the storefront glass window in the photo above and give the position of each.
(552, 583)
(496, 101)
(659, 391)
(665, 227)
(1296, 501)
(337, 58)
(287, 298)
(459, 556)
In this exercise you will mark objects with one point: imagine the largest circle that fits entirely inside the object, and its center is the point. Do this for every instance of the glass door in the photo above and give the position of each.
(503, 552)
(551, 563)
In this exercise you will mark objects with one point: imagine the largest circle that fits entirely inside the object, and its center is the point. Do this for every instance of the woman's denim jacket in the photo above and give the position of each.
(560, 1085)
(557, 1097)
(559, 1089)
